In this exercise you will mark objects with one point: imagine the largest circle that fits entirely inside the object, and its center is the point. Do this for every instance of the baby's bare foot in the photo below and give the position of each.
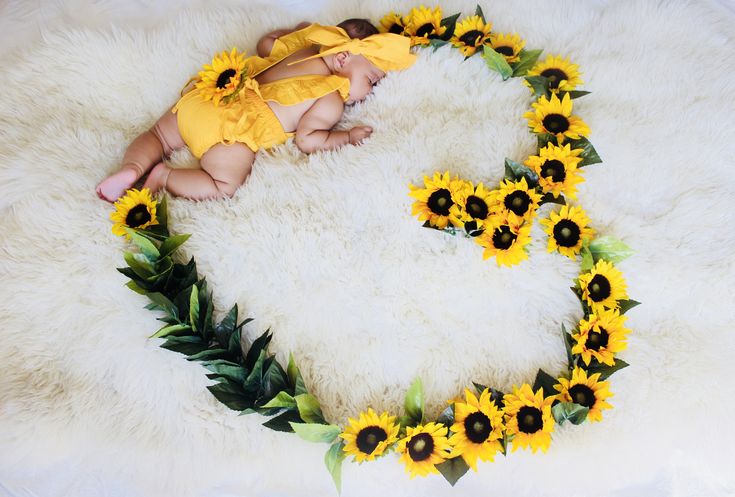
(115, 185)
(157, 177)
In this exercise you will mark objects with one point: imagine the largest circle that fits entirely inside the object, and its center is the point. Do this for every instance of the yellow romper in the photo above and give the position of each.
(248, 119)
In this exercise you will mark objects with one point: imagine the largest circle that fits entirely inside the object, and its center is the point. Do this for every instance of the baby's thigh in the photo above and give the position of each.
(166, 130)
(228, 165)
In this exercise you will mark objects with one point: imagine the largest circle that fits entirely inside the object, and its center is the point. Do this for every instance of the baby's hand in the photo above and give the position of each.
(359, 133)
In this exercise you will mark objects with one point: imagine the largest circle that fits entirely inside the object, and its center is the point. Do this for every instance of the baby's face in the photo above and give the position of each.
(362, 73)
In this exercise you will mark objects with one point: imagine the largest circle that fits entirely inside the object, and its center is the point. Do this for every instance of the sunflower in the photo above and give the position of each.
(473, 206)
(555, 117)
(562, 74)
(223, 77)
(507, 45)
(585, 391)
(423, 25)
(603, 286)
(477, 429)
(423, 448)
(435, 201)
(600, 336)
(135, 210)
(517, 200)
(567, 230)
(528, 418)
(392, 23)
(471, 33)
(557, 169)
(505, 239)
(369, 436)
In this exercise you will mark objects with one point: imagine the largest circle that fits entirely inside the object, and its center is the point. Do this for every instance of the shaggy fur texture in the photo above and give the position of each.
(323, 250)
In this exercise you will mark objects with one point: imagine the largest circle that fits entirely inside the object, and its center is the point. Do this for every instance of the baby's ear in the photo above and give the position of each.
(342, 58)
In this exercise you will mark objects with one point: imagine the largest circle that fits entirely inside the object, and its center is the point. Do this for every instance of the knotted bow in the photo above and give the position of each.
(388, 51)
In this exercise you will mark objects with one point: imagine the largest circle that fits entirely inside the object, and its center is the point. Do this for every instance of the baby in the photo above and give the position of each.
(301, 82)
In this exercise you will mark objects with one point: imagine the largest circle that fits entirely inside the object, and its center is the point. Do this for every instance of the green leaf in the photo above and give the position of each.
(274, 379)
(626, 305)
(587, 260)
(316, 432)
(188, 345)
(163, 303)
(254, 380)
(145, 245)
(478, 12)
(259, 344)
(175, 329)
(414, 402)
(172, 243)
(549, 198)
(515, 171)
(610, 249)
(140, 264)
(573, 94)
(406, 420)
(333, 460)
(194, 307)
(539, 84)
(545, 381)
(479, 388)
(447, 416)
(162, 212)
(544, 139)
(228, 370)
(209, 354)
(283, 399)
(294, 377)
(450, 23)
(453, 469)
(230, 395)
(589, 154)
(575, 413)
(135, 287)
(309, 409)
(224, 328)
(526, 61)
(281, 422)
(605, 370)
(437, 43)
(496, 62)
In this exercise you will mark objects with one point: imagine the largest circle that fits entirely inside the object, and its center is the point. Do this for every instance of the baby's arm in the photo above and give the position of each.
(265, 44)
(314, 131)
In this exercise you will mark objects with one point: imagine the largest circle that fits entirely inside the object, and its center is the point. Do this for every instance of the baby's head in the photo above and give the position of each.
(362, 73)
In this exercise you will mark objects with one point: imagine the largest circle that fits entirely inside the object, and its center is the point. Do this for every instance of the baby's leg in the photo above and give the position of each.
(224, 169)
(145, 151)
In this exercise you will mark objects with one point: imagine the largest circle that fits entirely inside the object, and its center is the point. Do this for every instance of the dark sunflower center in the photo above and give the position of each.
(503, 237)
(137, 216)
(420, 446)
(529, 419)
(554, 169)
(517, 202)
(471, 37)
(507, 51)
(555, 77)
(599, 288)
(597, 340)
(476, 207)
(425, 29)
(582, 395)
(566, 233)
(440, 201)
(224, 77)
(396, 29)
(556, 123)
(369, 438)
(477, 427)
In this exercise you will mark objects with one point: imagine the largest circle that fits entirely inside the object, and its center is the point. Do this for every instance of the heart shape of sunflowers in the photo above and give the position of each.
(476, 425)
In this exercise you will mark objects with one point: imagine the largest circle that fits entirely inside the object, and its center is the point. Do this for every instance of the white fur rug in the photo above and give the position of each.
(324, 251)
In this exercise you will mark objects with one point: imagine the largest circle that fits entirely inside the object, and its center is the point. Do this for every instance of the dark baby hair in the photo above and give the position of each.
(358, 28)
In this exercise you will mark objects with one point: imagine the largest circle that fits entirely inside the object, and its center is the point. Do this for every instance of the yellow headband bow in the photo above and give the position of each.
(388, 51)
